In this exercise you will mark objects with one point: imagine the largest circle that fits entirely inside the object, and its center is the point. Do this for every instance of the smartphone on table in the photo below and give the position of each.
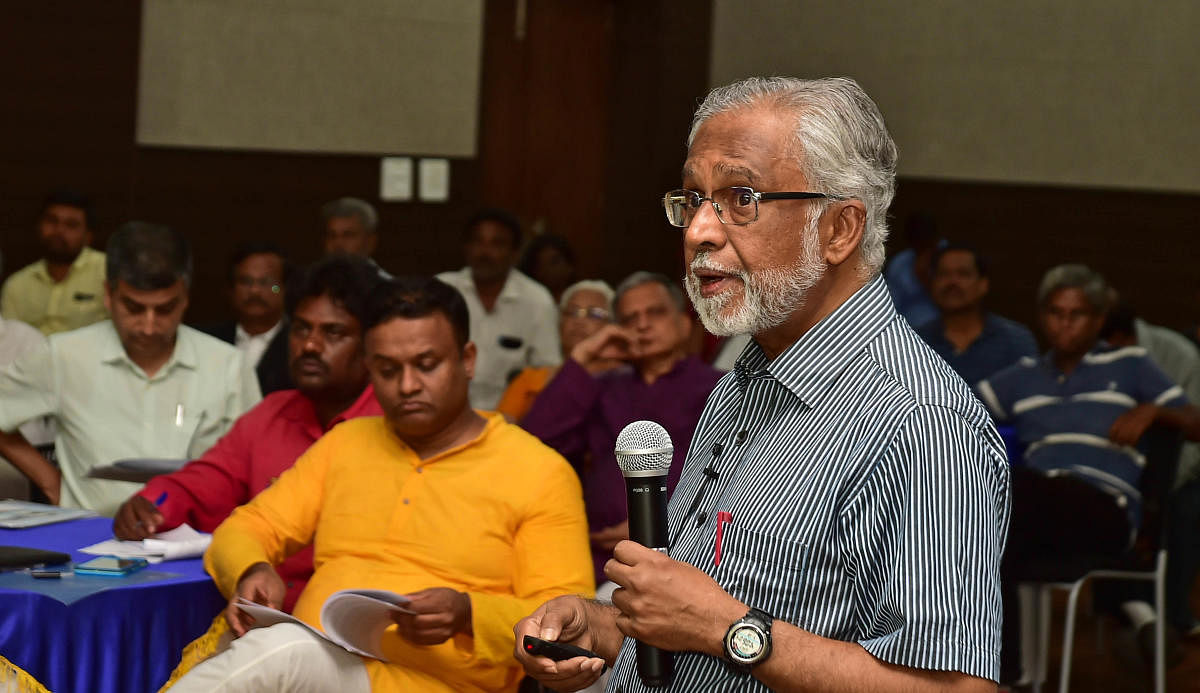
(110, 566)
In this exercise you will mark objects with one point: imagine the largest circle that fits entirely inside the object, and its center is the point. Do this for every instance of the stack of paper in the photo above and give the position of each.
(352, 619)
(181, 542)
(16, 514)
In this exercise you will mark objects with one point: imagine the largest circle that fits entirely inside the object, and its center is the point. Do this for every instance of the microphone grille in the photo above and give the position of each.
(644, 448)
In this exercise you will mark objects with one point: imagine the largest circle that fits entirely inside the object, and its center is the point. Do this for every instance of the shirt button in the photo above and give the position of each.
(701, 518)
(717, 448)
(741, 437)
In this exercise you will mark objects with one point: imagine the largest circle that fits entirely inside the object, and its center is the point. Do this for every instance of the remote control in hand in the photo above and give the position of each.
(557, 651)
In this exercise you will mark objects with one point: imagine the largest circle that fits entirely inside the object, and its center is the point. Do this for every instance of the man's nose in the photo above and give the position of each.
(706, 229)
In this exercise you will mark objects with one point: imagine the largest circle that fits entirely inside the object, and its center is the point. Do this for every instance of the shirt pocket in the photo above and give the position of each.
(763, 570)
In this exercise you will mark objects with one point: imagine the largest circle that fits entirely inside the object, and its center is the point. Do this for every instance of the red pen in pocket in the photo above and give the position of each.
(723, 518)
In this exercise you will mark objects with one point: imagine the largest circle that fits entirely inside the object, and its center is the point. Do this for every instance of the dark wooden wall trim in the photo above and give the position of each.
(583, 120)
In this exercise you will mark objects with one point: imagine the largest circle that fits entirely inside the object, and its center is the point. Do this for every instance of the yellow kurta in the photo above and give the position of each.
(500, 518)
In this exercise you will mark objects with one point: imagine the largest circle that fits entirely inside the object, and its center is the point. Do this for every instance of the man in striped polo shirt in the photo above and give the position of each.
(1079, 411)
(840, 518)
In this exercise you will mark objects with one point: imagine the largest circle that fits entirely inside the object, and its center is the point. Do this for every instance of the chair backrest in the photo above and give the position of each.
(1161, 446)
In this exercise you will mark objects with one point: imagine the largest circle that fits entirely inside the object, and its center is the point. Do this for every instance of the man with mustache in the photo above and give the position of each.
(974, 342)
(257, 281)
(325, 347)
(841, 515)
(585, 406)
(141, 385)
(65, 289)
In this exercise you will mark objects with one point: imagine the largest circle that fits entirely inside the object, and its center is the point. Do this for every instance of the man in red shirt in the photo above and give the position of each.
(325, 358)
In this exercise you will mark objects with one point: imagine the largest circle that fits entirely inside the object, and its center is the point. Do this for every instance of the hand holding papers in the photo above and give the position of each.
(353, 619)
(181, 542)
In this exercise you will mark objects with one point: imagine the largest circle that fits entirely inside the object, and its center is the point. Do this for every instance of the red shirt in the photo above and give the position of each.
(263, 443)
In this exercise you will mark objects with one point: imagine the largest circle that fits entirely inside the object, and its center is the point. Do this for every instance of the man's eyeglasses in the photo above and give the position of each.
(260, 282)
(737, 205)
(593, 313)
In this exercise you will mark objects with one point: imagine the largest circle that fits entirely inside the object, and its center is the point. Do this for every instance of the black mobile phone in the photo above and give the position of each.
(558, 651)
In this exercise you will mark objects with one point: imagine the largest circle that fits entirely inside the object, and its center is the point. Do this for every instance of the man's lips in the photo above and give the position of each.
(713, 282)
(310, 366)
(410, 407)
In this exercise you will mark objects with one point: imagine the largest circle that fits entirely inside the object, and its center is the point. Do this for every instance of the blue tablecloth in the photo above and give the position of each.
(124, 639)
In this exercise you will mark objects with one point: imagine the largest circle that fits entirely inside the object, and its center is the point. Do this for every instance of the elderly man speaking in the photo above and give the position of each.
(840, 517)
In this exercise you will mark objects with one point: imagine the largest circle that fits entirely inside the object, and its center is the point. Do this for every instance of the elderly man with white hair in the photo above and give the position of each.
(842, 512)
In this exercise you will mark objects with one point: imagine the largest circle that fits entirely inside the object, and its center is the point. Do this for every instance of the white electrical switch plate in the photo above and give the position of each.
(435, 180)
(395, 178)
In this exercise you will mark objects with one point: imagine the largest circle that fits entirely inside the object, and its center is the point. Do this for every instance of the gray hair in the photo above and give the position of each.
(351, 207)
(1075, 276)
(641, 277)
(841, 143)
(148, 257)
(600, 287)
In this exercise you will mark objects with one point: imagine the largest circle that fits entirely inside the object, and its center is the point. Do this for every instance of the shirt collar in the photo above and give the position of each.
(241, 336)
(302, 412)
(808, 367)
(86, 257)
(110, 350)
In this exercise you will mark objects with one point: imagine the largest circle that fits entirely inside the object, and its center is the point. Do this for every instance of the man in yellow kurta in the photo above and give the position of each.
(472, 518)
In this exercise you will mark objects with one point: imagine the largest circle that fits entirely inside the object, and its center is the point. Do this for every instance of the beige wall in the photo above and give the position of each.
(1075, 92)
(342, 76)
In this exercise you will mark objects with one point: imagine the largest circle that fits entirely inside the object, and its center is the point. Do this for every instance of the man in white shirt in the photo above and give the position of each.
(140, 385)
(257, 279)
(514, 320)
(16, 340)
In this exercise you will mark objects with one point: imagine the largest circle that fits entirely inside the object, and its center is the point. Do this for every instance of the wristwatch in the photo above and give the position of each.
(748, 640)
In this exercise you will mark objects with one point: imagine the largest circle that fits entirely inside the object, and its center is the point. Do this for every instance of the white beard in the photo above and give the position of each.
(769, 297)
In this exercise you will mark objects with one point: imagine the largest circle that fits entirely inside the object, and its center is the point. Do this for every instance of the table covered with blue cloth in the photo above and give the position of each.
(126, 637)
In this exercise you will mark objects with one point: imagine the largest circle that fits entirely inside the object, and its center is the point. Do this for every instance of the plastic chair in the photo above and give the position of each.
(1161, 448)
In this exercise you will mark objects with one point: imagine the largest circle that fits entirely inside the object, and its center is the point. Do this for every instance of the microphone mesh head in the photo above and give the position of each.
(644, 449)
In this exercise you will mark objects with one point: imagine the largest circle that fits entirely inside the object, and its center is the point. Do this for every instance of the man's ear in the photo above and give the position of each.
(468, 359)
(108, 297)
(849, 220)
(372, 242)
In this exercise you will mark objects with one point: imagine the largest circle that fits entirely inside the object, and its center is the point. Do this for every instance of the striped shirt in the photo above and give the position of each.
(1063, 420)
(869, 498)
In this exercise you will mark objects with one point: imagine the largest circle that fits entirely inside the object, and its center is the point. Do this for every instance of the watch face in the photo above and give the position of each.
(746, 643)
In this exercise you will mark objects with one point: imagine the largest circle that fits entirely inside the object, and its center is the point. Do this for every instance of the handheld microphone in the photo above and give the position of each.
(643, 453)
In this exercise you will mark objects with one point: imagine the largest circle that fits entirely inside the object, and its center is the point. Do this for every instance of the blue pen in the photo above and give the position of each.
(162, 498)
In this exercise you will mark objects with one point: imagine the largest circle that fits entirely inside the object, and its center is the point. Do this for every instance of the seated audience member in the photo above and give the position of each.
(327, 304)
(1180, 361)
(350, 228)
(586, 307)
(138, 386)
(909, 272)
(1079, 410)
(257, 280)
(581, 411)
(65, 289)
(974, 342)
(513, 317)
(471, 517)
(16, 340)
(549, 260)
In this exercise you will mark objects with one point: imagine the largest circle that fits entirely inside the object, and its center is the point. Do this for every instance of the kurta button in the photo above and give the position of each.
(741, 437)
(406, 501)
(420, 469)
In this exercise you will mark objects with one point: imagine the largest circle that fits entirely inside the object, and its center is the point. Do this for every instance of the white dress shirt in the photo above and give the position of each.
(107, 408)
(521, 330)
(253, 346)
